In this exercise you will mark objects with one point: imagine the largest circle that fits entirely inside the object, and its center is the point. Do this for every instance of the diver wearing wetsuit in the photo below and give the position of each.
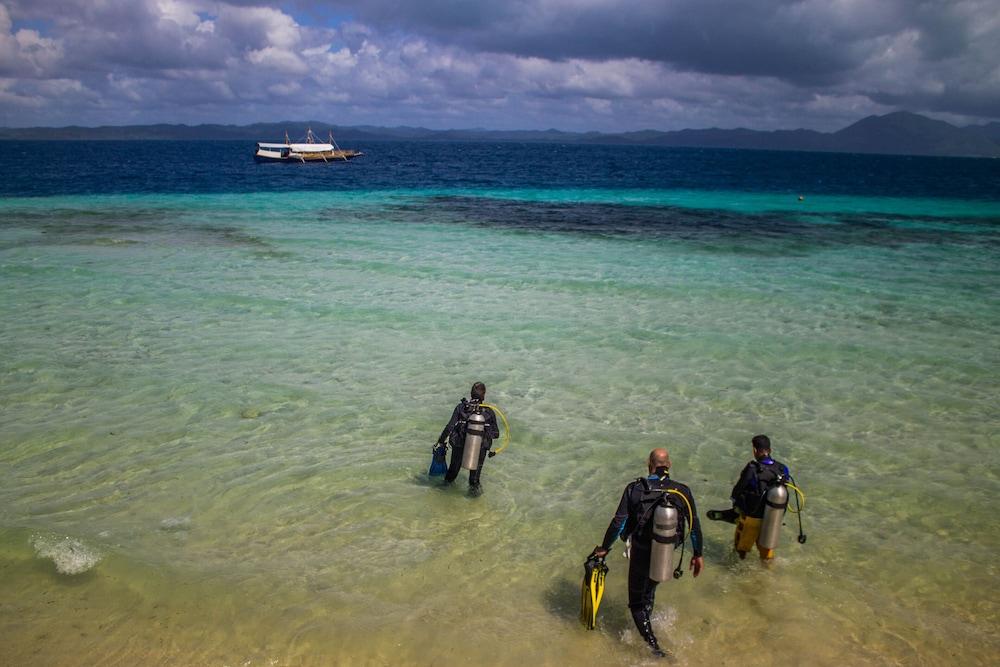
(748, 497)
(633, 518)
(757, 477)
(454, 435)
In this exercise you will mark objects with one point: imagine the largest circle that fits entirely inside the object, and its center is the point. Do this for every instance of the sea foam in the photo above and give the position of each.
(70, 555)
(175, 523)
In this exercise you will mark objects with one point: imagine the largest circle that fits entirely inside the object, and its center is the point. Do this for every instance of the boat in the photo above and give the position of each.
(309, 151)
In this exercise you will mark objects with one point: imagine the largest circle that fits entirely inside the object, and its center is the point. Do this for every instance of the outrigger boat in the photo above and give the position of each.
(310, 151)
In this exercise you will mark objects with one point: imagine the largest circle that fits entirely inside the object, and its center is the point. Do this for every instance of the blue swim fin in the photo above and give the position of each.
(439, 465)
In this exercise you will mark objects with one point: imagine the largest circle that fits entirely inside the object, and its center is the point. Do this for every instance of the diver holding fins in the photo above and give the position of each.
(652, 516)
(760, 499)
(470, 433)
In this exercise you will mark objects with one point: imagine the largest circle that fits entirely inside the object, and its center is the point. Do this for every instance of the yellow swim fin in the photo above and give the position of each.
(592, 590)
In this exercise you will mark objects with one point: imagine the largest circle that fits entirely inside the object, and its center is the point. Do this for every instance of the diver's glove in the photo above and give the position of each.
(491, 454)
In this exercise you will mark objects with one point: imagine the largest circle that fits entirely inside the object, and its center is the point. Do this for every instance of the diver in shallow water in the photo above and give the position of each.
(455, 433)
(750, 499)
(638, 519)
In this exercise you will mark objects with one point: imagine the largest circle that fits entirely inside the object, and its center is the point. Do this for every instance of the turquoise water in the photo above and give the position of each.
(218, 411)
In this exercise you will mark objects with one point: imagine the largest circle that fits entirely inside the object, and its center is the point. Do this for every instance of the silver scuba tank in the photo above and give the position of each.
(661, 557)
(774, 511)
(475, 427)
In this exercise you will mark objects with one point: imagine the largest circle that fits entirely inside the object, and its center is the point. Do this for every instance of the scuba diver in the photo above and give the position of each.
(651, 517)
(759, 502)
(470, 433)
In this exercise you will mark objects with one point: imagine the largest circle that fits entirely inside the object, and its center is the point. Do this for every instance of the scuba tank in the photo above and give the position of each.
(661, 557)
(475, 427)
(776, 501)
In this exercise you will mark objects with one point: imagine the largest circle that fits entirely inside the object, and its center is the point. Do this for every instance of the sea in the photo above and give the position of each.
(220, 383)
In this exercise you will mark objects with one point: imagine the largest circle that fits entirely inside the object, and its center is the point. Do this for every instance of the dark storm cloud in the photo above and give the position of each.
(811, 44)
(573, 64)
(794, 40)
(971, 103)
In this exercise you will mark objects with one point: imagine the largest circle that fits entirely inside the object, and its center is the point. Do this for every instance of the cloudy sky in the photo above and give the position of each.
(578, 65)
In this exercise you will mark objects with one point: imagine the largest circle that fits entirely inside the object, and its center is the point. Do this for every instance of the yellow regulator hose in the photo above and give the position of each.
(802, 497)
(690, 511)
(506, 426)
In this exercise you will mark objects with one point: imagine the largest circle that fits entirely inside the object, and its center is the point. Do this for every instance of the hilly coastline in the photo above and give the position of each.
(899, 133)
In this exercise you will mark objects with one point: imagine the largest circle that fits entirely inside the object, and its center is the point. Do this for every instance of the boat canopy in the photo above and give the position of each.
(311, 148)
(299, 148)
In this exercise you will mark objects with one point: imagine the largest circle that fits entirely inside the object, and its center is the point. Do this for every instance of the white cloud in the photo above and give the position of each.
(285, 88)
(280, 60)
(25, 52)
(601, 106)
(30, 97)
(126, 86)
(183, 14)
(259, 27)
(11, 97)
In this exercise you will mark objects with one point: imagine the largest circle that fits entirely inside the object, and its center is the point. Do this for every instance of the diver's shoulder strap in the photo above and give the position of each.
(769, 474)
(458, 428)
(652, 496)
(462, 409)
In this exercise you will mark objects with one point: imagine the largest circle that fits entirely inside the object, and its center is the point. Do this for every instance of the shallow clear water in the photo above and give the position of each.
(218, 409)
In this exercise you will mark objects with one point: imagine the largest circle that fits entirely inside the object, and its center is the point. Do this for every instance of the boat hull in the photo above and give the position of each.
(299, 158)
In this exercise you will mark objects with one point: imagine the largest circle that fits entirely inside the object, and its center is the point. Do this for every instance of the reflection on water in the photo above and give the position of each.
(217, 432)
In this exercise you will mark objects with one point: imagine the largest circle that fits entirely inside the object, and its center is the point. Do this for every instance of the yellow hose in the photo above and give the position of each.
(684, 498)
(802, 496)
(506, 426)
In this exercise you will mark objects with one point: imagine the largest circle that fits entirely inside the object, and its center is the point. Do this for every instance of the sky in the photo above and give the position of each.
(574, 65)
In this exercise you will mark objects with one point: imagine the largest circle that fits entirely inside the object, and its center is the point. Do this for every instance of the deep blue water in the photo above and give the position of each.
(120, 167)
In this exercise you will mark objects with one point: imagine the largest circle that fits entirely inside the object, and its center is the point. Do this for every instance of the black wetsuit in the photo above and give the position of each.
(757, 477)
(454, 434)
(628, 516)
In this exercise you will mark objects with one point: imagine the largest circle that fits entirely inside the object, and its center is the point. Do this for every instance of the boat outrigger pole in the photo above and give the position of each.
(333, 143)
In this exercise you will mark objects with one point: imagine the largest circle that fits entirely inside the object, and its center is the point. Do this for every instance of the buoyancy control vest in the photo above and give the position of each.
(457, 436)
(650, 497)
(660, 516)
(767, 473)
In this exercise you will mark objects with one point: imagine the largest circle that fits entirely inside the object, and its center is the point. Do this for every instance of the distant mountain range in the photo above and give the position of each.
(900, 133)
